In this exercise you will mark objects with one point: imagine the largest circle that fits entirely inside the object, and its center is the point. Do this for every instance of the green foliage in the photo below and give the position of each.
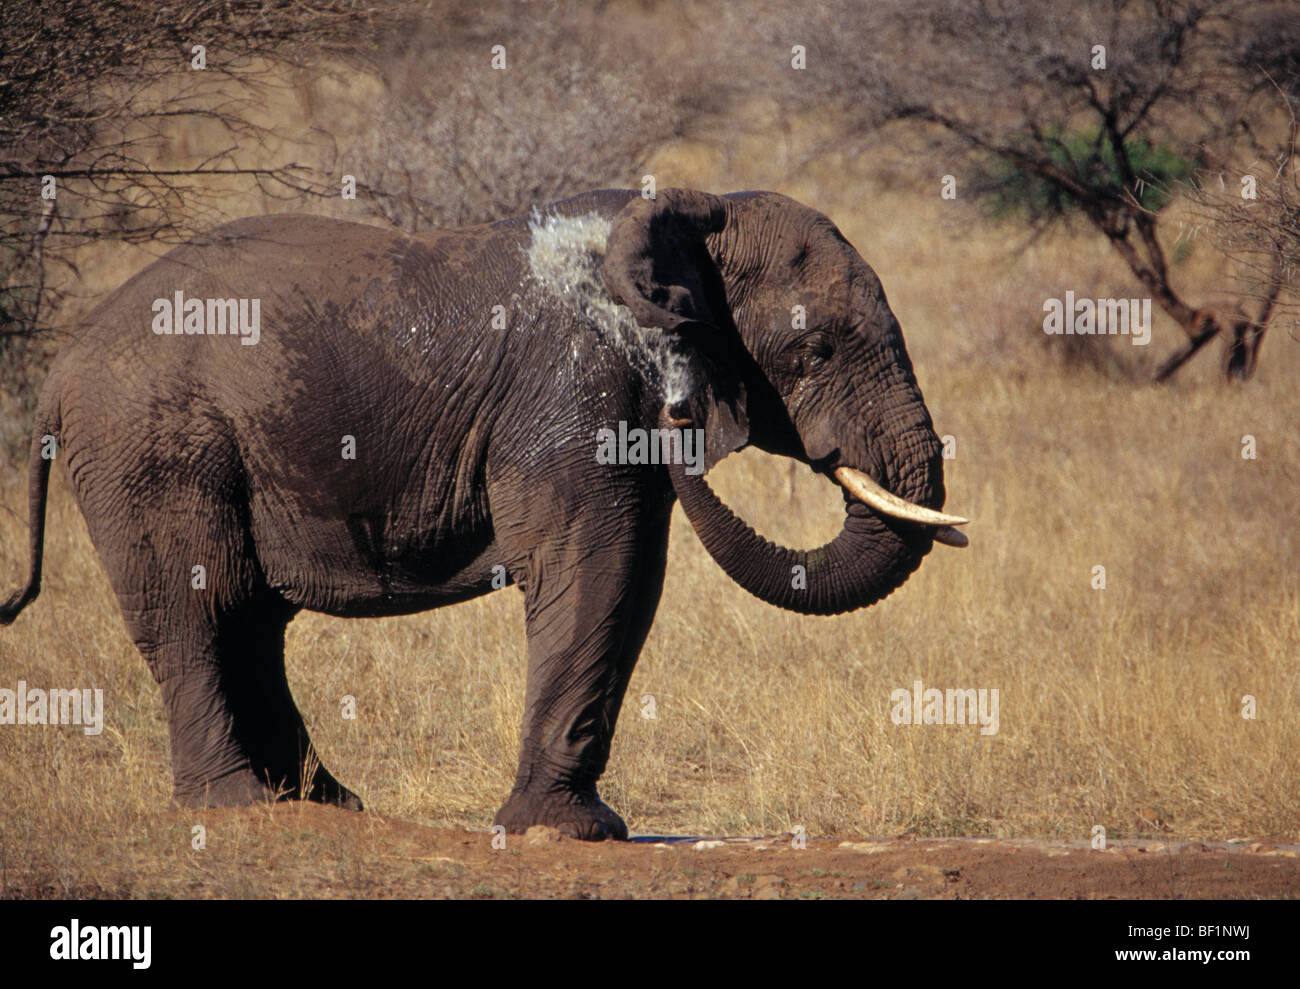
(1008, 187)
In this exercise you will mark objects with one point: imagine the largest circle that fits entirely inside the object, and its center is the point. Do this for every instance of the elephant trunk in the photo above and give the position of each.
(871, 557)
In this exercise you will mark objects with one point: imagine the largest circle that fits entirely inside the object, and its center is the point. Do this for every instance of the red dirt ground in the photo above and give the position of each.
(408, 860)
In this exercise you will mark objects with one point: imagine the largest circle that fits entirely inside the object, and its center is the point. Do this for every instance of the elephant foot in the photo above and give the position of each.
(576, 815)
(326, 789)
(244, 787)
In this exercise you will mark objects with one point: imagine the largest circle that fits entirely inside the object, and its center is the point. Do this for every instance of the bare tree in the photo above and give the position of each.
(1099, 110)
(1255, 219)
(87, 88)
(488, 119)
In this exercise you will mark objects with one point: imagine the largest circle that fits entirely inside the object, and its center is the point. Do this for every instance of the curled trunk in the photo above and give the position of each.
(870, 558)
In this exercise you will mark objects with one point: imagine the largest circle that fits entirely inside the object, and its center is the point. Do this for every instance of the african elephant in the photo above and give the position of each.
(327, 415)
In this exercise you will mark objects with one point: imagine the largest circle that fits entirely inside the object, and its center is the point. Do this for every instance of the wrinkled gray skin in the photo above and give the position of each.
(475, 447)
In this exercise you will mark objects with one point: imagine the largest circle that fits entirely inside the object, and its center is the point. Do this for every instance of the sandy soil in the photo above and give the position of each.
(391, 858)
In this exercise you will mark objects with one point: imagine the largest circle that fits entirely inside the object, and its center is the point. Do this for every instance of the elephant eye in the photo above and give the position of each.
(817, 351)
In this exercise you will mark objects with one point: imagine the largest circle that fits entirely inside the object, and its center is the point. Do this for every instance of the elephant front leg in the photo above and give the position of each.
(588, 612)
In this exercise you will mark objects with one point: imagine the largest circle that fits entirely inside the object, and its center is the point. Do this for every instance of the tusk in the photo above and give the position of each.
(866, 490)
(949, 536)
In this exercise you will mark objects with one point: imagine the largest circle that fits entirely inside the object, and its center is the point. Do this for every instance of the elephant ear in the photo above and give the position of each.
(657, 263)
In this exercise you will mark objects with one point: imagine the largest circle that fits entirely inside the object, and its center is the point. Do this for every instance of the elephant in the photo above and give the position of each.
(295, 412)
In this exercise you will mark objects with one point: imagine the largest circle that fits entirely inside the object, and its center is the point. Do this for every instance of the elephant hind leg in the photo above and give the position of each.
(268, 726)
(198, 607)
(237, 737)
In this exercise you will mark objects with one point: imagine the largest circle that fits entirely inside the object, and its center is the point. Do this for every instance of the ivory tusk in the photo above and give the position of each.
(949, 536)
(869, 492)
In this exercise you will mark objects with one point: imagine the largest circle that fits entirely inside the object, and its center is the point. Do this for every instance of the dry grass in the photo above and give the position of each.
(1111, 700)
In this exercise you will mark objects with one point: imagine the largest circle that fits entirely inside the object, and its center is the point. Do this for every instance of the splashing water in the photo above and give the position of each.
(564, 255)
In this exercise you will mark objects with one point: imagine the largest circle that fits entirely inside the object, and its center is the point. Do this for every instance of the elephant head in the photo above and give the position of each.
(816, 369)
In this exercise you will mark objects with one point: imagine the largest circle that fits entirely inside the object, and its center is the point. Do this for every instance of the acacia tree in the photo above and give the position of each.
(1099, 110)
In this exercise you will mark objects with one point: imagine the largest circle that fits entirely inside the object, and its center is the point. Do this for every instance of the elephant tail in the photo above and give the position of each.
(45, 435)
